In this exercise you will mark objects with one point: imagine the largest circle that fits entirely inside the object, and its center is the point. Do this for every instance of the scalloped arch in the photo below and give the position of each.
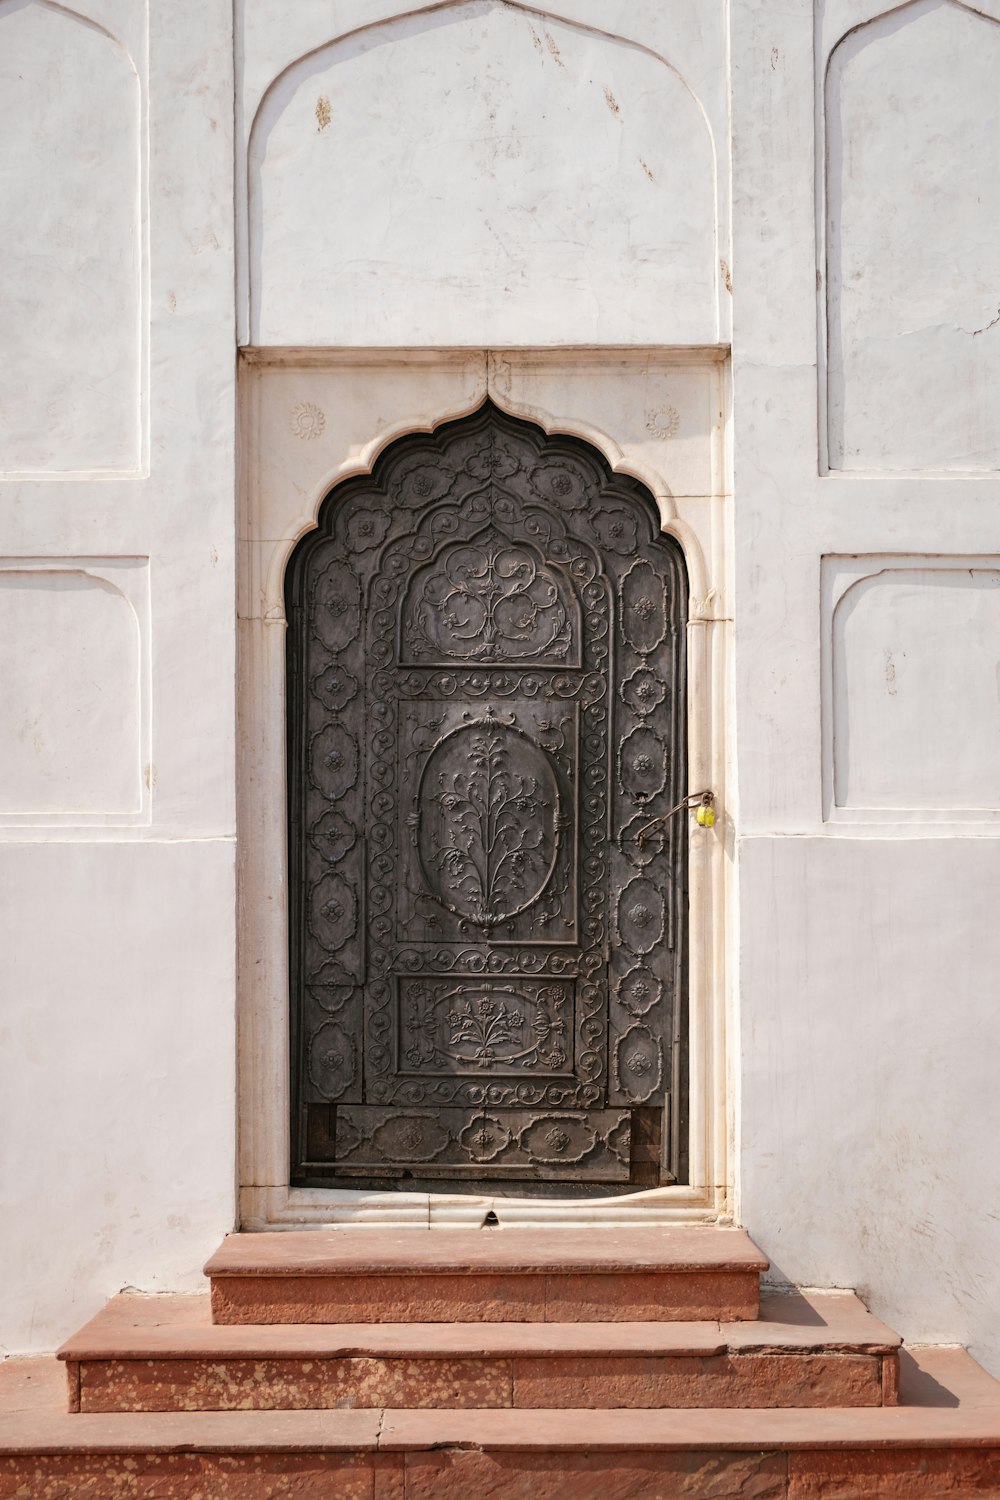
(553, 426)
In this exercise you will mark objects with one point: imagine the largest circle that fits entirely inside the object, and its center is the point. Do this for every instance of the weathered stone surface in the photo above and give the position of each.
(187, 1476)
(749, 1380)
(457, 1475)
(291, 1384)
(564, 1251)
(377, 1299)
(489, 1298)
(891, 1474)
(627, 1297)
(559, 1276)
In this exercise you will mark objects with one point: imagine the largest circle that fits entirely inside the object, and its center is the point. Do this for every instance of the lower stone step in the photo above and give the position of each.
(164, 1354)
(943, 1442)
(488, 1275)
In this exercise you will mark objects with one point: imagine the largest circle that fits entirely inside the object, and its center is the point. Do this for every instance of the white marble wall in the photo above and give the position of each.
(475, 173)
(117, 633)
(867, 651)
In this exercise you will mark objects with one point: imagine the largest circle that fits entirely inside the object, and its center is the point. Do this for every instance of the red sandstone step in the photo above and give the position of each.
(164, 1354)
(943, 1442)
(488, 1275)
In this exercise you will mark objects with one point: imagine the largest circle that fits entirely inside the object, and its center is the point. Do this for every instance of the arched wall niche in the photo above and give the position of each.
(433, 146)
(911, 258)
(70, 258)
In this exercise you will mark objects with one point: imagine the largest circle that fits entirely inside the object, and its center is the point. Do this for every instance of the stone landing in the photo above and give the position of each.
(808, 1400)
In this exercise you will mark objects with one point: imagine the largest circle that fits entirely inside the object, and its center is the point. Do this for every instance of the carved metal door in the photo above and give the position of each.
(486, 706)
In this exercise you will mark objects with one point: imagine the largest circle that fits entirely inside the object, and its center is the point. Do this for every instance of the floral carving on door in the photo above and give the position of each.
(485, 699)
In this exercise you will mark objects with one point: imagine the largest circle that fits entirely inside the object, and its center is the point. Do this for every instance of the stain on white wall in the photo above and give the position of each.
(70, 244)
(912, 118)
(482, 174)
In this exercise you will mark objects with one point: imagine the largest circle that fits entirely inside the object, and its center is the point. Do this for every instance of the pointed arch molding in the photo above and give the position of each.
(375, 150)
(71, 258)
(910, 262)
(313, 419)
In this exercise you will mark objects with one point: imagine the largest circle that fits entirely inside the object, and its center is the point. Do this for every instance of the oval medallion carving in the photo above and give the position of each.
(410, 1138)
(333, 760)
(555, 1139)
(336, 606)
(488, 826)
(333, 910)
(332, 1063)
(638, 1063)
(639, 990)
(644, 608)
(640, 915)
(643, 764)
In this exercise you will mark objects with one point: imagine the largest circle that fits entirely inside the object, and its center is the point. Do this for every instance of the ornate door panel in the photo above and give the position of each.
(486, 707)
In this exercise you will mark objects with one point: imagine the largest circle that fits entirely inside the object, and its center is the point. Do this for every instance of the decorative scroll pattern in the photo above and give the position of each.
(485, 692)
(490, 600)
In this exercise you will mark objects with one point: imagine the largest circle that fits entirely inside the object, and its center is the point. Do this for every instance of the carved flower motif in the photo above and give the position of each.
(485, 1138)
(663, 422)
(306, 420)
(335, 688)
(557, 1139)
(639, 1063)
(617, 529)
(644, 607)
(421, 483)
(498, 461)
(332, 1059)
(643, 764)
(409, 1138)
(366, 527)
(641, 916)
(333, 759)
(332, 909)
(561, 480)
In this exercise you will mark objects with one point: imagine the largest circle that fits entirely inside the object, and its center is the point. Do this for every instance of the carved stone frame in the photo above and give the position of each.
(312, 417)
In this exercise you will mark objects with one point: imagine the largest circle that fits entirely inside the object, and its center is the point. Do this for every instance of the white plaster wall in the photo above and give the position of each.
(866, 673)
(474, 172)
(71, 230)
(117, 653)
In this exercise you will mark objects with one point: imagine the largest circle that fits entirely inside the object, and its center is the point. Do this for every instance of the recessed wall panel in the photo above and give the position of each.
(73, 683)
(70, 245)
(912, 129)
(913, 687)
